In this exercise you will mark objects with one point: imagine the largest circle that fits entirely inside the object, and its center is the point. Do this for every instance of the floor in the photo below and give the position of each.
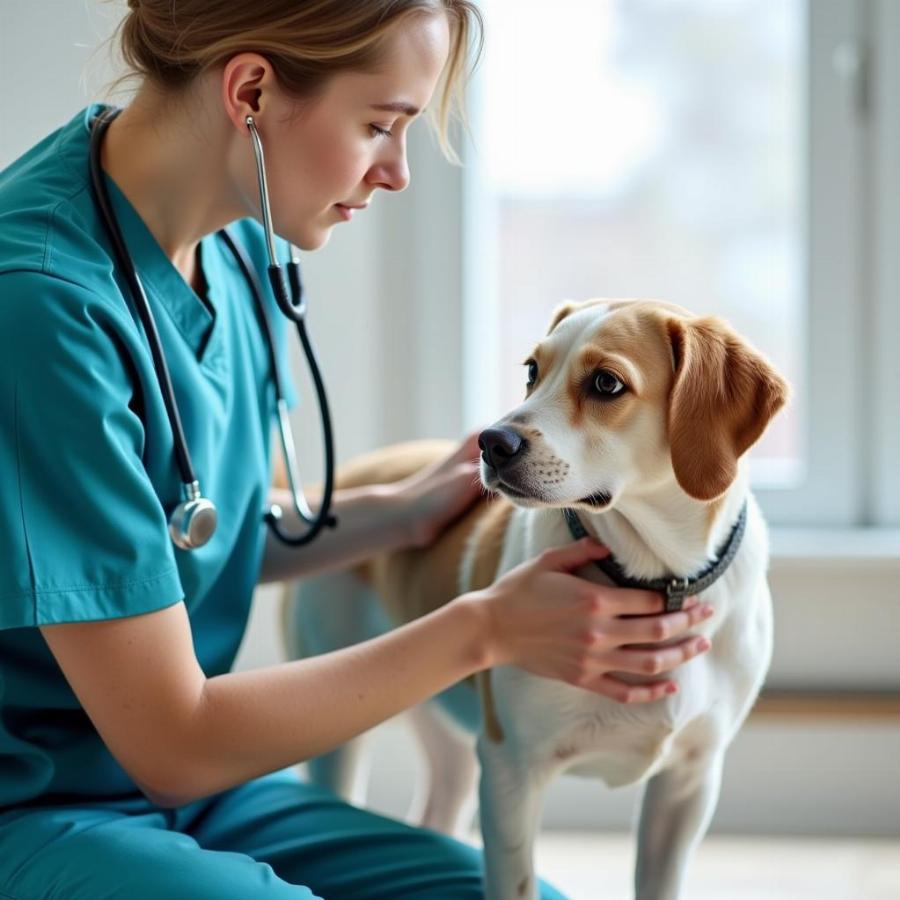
(598, 866)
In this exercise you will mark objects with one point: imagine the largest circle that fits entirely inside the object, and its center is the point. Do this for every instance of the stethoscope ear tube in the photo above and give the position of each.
(292, 304)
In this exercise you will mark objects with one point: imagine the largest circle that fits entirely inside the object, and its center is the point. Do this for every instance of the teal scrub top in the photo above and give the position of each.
(87, 468)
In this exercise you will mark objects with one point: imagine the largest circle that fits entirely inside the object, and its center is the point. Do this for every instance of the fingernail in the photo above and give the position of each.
(671, 688)
(707, 611)
(691, 602)
(703, 644)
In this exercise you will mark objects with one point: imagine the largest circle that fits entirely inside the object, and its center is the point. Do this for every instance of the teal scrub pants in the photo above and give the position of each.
(274, 838)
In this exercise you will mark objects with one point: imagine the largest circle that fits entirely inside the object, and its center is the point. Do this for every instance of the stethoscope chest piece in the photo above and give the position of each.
(193, 521)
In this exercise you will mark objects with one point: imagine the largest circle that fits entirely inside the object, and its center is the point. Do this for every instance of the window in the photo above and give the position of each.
(714, 154)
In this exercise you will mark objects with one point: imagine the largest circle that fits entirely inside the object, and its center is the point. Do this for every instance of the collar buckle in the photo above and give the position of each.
(676, 590)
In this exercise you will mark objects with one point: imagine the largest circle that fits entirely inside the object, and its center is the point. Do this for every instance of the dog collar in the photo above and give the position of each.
(675, 589)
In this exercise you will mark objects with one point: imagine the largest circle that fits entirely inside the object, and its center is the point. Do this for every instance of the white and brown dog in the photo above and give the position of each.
(636, 418)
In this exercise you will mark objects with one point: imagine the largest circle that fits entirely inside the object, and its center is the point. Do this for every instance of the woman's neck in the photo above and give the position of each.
(168, 158)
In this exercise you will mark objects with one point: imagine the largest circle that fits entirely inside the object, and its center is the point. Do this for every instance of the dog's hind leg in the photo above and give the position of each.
(677, 807)
(445, 799)
(323, 614)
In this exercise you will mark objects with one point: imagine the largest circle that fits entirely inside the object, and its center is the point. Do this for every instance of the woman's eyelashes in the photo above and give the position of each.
(378, 131)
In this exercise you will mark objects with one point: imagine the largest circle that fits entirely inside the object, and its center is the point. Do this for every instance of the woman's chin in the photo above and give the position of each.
(313, 238)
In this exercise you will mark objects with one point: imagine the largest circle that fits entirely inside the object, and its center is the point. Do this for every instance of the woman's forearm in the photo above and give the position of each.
(371, 520)
(251, 723)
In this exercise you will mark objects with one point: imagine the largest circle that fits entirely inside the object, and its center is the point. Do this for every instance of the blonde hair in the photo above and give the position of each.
(171, 42)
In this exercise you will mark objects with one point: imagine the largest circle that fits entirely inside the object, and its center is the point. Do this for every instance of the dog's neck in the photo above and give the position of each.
(666, 532)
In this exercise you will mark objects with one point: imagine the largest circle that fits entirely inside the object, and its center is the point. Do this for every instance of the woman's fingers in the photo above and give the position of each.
(654, 662)
(468, 448)
(652, 629)
(571, 556)
(623, 692)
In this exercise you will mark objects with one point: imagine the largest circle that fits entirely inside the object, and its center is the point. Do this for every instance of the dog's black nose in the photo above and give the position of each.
(499, 446)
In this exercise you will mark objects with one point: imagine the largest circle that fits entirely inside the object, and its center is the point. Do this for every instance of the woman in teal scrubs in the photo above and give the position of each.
(133, 762)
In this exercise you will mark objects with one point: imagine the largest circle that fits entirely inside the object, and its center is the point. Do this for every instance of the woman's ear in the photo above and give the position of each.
(723, 397)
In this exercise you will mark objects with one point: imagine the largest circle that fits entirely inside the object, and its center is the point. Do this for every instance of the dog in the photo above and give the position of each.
(636, 420)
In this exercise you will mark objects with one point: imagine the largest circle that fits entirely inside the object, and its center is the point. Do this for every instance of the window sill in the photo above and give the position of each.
(835, 546)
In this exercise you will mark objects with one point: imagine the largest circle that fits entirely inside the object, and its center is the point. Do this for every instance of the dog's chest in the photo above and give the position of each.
(562, 728)
(618, 759)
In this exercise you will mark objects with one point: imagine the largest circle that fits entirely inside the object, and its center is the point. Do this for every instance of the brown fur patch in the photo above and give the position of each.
(632, 344)
(492, 727)
(724, 396)
(488, 537)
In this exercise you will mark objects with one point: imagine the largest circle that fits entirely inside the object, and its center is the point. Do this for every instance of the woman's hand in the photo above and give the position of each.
(432, 498)
(552, 623)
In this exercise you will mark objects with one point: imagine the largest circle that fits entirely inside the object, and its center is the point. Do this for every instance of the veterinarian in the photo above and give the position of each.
(133, 763)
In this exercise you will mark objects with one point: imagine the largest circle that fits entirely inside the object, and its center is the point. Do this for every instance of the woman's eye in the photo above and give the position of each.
(381, 132)
(608, 385)
(532, 372)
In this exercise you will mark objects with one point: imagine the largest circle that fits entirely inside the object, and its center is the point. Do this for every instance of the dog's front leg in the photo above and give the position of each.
(510, 796)
(676, 810)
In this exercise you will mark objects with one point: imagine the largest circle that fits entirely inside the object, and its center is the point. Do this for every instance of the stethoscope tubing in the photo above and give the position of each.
(140, 302)
(316, 522)
(291, 302)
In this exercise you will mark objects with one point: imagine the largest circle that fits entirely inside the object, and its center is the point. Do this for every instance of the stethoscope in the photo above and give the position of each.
(193, 521)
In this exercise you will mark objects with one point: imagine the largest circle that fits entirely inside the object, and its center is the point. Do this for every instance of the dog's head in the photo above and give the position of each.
(625, 398)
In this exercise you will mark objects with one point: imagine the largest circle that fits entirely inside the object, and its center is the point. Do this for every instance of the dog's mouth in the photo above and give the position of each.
(597, 500)
(510, 491)
(494, 482)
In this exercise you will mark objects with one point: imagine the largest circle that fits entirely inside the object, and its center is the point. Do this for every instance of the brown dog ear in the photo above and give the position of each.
(561, 311)
(724, 395)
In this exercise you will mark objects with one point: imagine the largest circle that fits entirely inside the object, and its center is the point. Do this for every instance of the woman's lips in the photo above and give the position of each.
(346, 211)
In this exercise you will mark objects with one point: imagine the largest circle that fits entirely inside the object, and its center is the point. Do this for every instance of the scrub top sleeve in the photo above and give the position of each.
(82, 530)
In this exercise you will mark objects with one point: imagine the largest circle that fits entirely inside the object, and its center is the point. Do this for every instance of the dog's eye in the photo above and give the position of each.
(532, 372)
(608, 385)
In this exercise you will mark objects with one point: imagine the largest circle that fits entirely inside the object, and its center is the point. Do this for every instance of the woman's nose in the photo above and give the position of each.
(391, 174)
